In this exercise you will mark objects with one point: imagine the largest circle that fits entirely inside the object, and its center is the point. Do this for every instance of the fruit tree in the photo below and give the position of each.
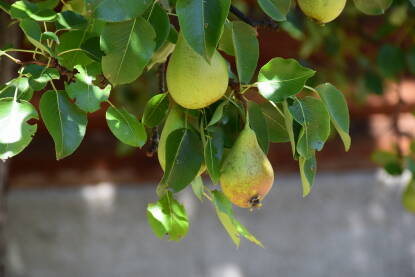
(83, 51)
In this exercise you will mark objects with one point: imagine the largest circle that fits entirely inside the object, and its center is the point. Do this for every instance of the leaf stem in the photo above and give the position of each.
(70, 50)
(311, 89)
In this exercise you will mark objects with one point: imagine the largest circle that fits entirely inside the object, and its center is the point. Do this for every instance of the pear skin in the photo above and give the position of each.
(192, 82)
(246, 174)
(323, 11)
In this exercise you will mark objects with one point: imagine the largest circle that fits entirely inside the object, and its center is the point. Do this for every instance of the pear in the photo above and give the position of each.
(246, 174)
(323, 11)
(192, 82)
(174, 121)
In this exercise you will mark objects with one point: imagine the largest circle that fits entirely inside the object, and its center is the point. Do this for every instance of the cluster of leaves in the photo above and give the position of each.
(367, 57)
(83, 49)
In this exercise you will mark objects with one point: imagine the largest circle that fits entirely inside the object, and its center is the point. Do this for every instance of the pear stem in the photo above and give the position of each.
(267, 23)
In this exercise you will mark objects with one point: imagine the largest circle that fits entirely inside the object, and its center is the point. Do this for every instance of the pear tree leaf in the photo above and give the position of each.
(129, 46)
(412, 2)
(19, 86)
(276, 9)
(35, 11)
(312, 115)
(339, 112)
(117, 10)
(39, 76)
(168, 217)
(16, 133)
(275, 120)
(308, 169)
(51, 36)
(73, 40)
(408, 197)
(226, 40)
(156, 110)
(161, 24)
(5, 6)
(198, 187)
(226, 216)
(87, 95)
(258, 123)
(126, 127)
(391, 61)
(410, 58)
(32, 31)
(217, 114)
(213, 152)
(246, 48)
(289, 121)
(64, 121)
(183, 159)
(201, 23)
(70, 20)
(373, 7)
(390, 161)
(281, 78)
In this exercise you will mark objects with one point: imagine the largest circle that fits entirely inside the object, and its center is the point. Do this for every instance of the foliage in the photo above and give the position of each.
(84, 50)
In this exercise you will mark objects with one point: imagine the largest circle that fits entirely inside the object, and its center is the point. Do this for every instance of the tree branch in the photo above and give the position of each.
(266, 23)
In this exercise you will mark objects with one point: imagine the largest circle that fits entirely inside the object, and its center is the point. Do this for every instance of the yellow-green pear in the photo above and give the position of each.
(192, 82)
(246, 173)
(174, 121)
(323, 11)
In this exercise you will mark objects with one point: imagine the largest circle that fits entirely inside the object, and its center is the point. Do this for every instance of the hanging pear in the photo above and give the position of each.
(246, 174)
(192, 82)
(323, 11)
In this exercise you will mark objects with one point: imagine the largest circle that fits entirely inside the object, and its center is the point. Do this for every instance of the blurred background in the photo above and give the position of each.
(86, 215)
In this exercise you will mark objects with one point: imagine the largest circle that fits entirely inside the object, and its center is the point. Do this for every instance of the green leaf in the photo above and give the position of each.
(226, 216)
(198, 187)
(258, 123)
(92, 49)
(126, 127)
(117, 10)
(308, 169)
(276, 9)
(129, 47)
(5, 6)
(339, 112)
(213, 152)
(87, 95)
(391, 61)
(49, 35)
(412, 2)
(19, 86)
(156, 110)
(27, 10)
(408, 197)
(373, 7)
(15, 133)
(64, 121)
(389, 161)
(312, 115)
(33, 34)
(201, 23)
(69, 41)
(410, 59)
(161, 24)
(183, 159)
(70, 20)
(217, 115)
(226, 40)
(281, 78)
(373, 82)
(168, 217)
(275, 120)
(289, 120)
(39, 76)
(246, 48)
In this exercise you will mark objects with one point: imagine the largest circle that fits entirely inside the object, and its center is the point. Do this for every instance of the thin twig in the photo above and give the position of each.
(267, 23)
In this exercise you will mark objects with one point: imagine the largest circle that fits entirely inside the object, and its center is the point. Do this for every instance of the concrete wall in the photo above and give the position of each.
(351, 225)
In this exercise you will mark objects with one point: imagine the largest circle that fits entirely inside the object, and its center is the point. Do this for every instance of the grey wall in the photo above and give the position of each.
(351, 225)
